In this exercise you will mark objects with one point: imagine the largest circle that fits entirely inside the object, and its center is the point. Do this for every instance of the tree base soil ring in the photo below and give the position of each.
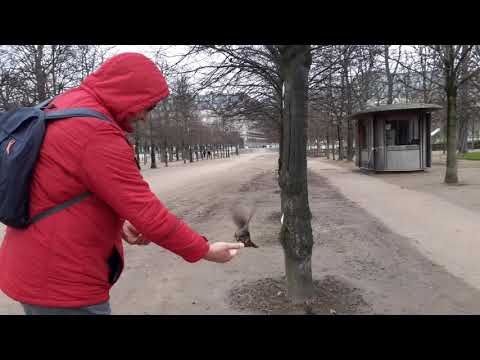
(268, 296)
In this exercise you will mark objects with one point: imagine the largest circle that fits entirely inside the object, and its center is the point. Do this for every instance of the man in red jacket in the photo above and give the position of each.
(66, 263)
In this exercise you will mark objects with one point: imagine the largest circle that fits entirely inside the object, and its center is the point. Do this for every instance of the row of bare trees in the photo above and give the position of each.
(185, 128)
(32, 73)
(447, 75)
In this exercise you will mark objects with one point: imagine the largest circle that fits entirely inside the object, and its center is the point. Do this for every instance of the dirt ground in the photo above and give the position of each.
(360, 266)
(466, 194)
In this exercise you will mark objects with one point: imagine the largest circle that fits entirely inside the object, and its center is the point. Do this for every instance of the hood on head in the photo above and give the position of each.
(127, 84)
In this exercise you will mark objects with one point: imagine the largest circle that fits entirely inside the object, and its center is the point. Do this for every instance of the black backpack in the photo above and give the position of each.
(21, 136)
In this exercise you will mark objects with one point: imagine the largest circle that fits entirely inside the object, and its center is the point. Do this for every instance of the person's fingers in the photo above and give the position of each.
(232, 252)
(131, 228)
(131, 240)
(128, 234)
(140, 240)
(233, 246)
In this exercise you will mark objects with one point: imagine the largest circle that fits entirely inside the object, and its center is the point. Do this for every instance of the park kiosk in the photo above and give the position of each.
(394, 137)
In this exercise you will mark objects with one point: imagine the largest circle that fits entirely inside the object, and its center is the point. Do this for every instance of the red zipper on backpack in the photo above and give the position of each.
(8, 148)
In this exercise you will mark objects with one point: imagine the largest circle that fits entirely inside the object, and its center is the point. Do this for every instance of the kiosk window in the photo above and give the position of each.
(402, 132)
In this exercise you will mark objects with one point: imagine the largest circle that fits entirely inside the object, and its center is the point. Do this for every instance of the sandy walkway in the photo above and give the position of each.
(445, 232)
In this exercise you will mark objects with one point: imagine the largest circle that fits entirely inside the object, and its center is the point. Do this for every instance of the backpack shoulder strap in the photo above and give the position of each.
(59, 207)
(44, 104)
(75, 112)
(62, 114)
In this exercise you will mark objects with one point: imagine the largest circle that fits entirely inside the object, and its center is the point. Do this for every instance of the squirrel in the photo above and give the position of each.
(241, 217)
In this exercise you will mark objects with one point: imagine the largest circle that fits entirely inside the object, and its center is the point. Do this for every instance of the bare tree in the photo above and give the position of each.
(389, 72)
(277, 77)
(296, 233)
(459, 65)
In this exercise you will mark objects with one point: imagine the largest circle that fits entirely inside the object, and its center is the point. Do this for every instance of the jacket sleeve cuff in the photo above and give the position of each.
(199, 252)
(186, 243)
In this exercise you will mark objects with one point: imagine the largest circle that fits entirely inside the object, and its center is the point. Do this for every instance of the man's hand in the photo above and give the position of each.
(132, 236)
(222, 252)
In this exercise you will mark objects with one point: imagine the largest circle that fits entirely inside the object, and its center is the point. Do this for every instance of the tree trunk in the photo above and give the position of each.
(463, 135)
(328, 146)
(40, 77)
(166, 153)
(462, 121)
(350, 152)
(280, 145)
(184, 153)
(451, 176)
(296, 231)
(388, 75)
(153, 164)
(340, 142)
(473, 134)
(333, 146)
(444, 139)
(137, 148)
(349, 101)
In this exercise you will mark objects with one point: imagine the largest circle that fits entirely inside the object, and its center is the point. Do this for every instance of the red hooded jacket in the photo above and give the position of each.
(72, 258)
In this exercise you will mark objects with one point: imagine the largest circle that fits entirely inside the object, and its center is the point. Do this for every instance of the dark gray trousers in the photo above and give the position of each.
(99, 309)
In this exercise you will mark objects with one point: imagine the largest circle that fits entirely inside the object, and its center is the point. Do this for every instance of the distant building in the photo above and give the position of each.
(251, 137)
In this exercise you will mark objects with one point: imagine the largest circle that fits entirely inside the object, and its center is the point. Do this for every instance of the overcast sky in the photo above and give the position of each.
(145, 49)
(172, 51)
